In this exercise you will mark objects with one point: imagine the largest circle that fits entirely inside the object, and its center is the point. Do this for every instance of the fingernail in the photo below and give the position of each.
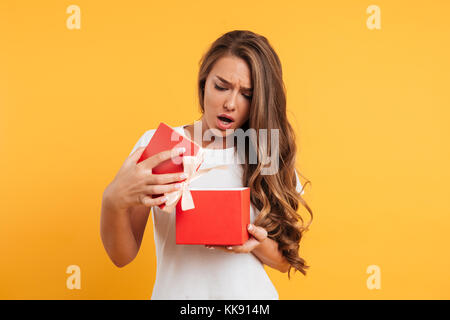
(164, 199)
(229, 248)
(181, 150)
(250, 227)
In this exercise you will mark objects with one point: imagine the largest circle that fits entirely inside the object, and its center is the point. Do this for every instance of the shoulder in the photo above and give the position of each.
(143, 140)
(147, 135)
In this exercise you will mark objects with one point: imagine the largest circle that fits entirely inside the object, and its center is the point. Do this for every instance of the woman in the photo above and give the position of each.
(240, 87)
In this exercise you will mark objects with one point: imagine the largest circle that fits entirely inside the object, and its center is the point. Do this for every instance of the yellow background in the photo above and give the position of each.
(370, 109)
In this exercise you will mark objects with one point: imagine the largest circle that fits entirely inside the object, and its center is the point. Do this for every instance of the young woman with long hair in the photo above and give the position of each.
(240, 88)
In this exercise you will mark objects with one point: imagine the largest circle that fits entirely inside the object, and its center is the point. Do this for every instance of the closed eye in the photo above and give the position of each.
(219, 88)
(223, 89)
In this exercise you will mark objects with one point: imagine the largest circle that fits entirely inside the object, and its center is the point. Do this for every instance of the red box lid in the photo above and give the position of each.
(166, 138)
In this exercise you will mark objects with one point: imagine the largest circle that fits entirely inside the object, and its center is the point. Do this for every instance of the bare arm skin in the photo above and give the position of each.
(117, 233)
(267, 252)
(127, 201)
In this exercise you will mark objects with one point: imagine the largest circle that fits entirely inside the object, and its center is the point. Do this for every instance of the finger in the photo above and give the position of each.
(136, 155)
(162, 156)
(149, 201)
(237, 249)
(233, 249)
(223, 248)
(249, 245)
(165, 178)
(164, 188)
(258, 232)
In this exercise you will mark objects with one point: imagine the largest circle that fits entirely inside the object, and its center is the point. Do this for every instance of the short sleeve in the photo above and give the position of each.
(143, 140)
(299, 185)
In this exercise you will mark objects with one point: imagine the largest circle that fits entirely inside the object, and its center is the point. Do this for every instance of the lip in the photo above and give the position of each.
(226, 116)
(224, 126)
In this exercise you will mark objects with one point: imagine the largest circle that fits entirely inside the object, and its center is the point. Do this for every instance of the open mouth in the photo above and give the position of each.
(225, 119)
(224, 122)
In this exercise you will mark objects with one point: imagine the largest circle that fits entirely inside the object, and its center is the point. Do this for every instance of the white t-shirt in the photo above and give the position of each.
(186, 272)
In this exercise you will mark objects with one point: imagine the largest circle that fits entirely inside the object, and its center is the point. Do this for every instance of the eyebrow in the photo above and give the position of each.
(228, 82)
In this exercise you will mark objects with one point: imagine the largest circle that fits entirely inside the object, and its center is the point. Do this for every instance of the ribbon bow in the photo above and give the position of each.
(190, 166)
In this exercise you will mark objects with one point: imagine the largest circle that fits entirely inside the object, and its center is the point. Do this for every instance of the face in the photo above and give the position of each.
(228, 93)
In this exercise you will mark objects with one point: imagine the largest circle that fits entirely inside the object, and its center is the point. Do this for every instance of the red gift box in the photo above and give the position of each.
(166, 138)
(220, 217)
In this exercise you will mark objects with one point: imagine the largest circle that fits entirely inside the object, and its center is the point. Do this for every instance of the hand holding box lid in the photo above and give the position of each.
(166, 138)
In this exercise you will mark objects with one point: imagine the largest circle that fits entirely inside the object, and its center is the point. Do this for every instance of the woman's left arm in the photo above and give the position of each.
(264, 248)
(267, 252)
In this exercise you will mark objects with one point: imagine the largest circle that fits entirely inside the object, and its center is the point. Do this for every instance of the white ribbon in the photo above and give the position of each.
(191, 165)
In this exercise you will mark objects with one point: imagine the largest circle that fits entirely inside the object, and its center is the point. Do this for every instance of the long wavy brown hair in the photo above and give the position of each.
(274, 195)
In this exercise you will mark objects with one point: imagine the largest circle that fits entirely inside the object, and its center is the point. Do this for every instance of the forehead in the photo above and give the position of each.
(232, 69)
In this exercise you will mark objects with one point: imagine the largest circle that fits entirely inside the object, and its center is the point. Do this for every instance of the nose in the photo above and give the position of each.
(230, 103)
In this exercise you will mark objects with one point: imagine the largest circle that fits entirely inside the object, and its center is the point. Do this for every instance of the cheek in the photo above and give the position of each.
(212, 100)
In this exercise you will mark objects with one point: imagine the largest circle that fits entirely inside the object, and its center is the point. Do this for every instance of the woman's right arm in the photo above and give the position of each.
(126, 204)
(116, 231)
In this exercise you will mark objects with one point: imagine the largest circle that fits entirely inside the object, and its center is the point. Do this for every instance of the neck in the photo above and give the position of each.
(211, 140)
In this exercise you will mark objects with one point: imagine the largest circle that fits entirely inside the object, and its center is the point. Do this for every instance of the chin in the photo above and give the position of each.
(218, 132)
